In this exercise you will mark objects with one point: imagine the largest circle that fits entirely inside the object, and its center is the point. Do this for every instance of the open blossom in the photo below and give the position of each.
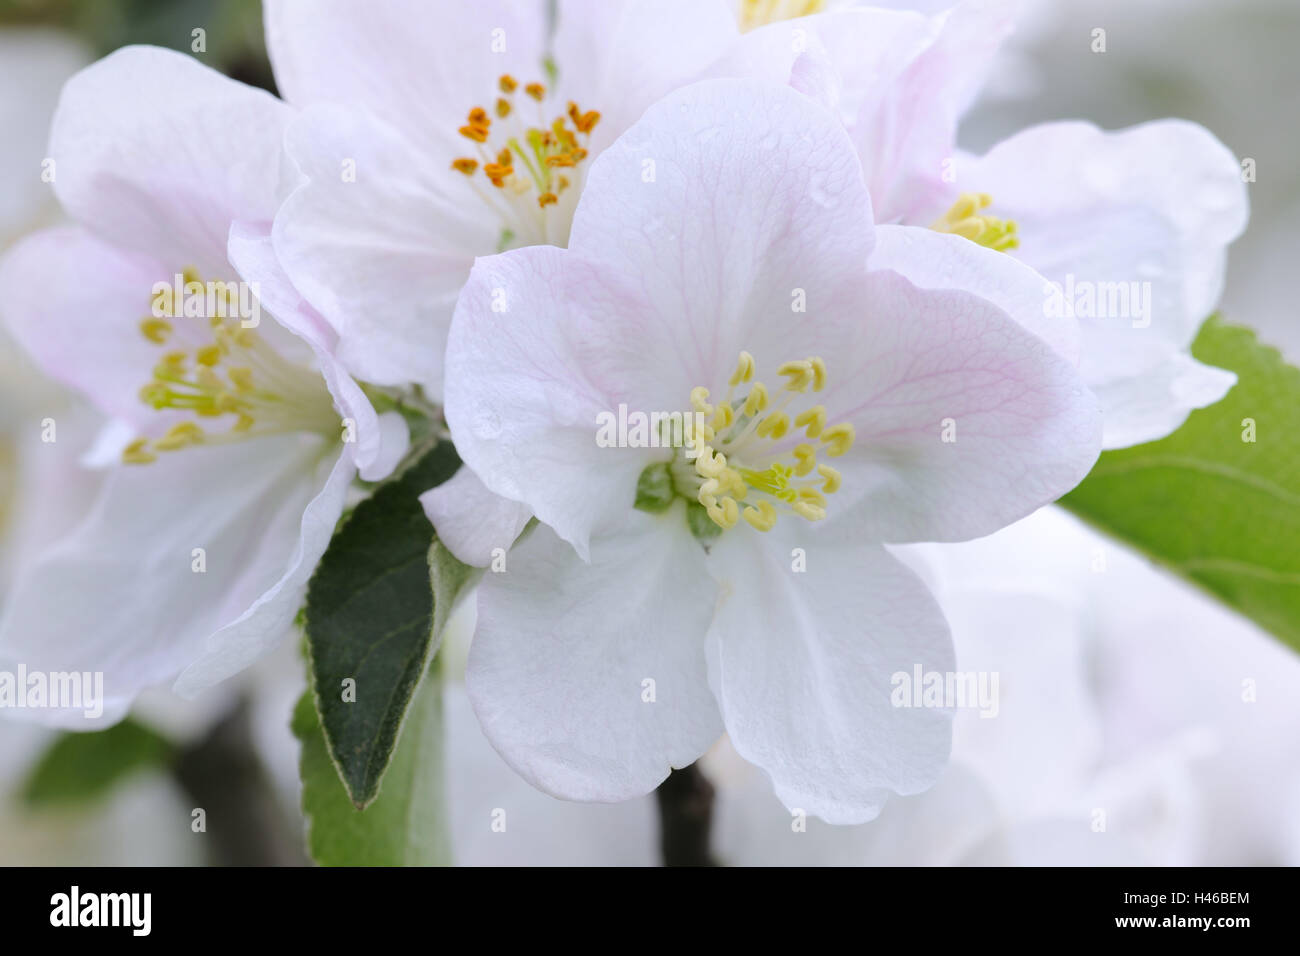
(739, 580)
(241, 437)
(432, 133)
(1129, 228)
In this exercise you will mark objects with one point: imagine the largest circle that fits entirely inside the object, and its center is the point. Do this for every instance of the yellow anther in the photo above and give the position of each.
(774, 426)
(208, 379)
(725, 513)
(243, 423)
(241, 378)
(208, 355)
(190, 274)
(965, 219)
(156, 330)
(807, 493)
(814, 419)
(478, 134)
(174, 360)
(710, 464)
(503, 107)
(832, 476)
(819, 373)
(740, 460)
(547, 199)
(809, 510)
(179, 436)
(761, 518)
(700, 400)
(806, 456)
(507, 83)
(838, 439)
(744, 369)
(799, 373)
(536, 91)
(465, 165)
(229, 403)
(138, 453)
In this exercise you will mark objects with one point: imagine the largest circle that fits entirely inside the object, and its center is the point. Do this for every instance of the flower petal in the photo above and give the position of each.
(382, 253)
(377, 442)
(802, 663)
(472, 521)
(964, 421)
(74, 302)
(157, 152)
(127, 593)
(270, 617)
(1134, 227)
(416, 65)
(590, 679)
(533, 362)
(935, 260)
(704, 210)
(1147, 407)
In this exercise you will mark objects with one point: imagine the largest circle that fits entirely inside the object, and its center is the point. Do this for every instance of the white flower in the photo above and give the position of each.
(749, 255)
(195, 556)
(1130, 229)
(433, 133)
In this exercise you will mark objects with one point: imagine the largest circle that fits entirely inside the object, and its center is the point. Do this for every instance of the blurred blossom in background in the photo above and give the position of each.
(1139, 722)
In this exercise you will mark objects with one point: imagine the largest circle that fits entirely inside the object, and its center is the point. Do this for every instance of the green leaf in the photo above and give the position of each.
(1217, 508)
(370, 620)
(406, 824)
(81, 768)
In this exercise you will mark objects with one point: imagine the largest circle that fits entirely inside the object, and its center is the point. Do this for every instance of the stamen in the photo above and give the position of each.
(531, 160)
(264, 392)
(736, 454)
(966, 220)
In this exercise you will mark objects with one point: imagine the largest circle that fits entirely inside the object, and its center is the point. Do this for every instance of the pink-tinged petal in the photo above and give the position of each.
(904, 127)
(964, 420)
(726, 208)
(74, 303)
(471, 521)
(270, 617)
(128, 594)
(379, 248)
(534, 363)
(376, 442)
(935, 260)
(590, 680)
(619, 57)
(1155, 204)
(157, 152)
(803, 666)
(417, 65)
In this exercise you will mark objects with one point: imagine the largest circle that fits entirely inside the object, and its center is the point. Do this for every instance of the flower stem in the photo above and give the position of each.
(685, 818)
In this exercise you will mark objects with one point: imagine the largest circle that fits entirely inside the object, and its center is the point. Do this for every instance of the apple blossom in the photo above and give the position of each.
(1129, 229)
(749, 254)
(242, 440)
(434, 133)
